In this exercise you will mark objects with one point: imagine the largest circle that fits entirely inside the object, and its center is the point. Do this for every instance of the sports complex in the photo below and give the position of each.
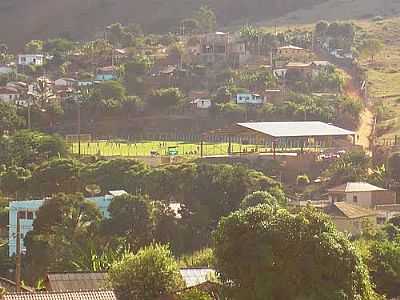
(238, 139)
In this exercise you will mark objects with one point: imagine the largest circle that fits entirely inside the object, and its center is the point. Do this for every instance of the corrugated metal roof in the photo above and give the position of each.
(76, 281)
(196, 276)
(352, 187)
(77, 295)
(344, 209)
(296, 129)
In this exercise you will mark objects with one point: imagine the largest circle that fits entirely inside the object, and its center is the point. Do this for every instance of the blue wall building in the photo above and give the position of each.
(27, 214)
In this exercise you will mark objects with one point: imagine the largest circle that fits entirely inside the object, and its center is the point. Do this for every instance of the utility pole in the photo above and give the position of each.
(79, 125)
(18, 257)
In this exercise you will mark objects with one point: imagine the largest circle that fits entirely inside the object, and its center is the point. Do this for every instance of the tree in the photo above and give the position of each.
(109, 90)
(194, 294)
(384, 267)
(56, 175)
(9, 119)
(64, 224)
(15, 180)
(321, 28)
(34, 47)
(258, 251)
(130, 220)
(147, 275)
(259, 197)
(163, 99)
(352, 166)
(371, 47)
(206, 18)
(394, 166)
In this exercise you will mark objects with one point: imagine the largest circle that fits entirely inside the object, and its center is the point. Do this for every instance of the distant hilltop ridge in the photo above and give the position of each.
(24, 20)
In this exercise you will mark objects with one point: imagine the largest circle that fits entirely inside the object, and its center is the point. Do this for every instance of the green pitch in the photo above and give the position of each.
(149, 148)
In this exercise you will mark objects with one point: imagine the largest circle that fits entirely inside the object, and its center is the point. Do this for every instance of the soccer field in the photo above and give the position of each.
(149, 148)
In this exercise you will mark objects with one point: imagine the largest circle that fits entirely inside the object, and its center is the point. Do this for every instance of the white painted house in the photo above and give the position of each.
(362, 194)
(201, 103)
(247, 98)
(65, 82)
(9, 94)
(31, 59)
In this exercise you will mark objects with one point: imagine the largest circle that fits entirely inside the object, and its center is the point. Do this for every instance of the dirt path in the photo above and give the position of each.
(365, 129)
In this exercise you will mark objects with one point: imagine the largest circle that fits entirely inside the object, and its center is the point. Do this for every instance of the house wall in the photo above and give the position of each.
(105, 77)
(30, 208)
(9, 98)
(30, 59)
(352, 226)
(383, 197)
(364, 199)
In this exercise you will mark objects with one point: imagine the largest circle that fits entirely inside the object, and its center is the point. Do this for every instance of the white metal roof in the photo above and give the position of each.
(351, 187)
(296, 129)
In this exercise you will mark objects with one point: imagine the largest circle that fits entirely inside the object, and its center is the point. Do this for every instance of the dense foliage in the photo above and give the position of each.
(259, 250)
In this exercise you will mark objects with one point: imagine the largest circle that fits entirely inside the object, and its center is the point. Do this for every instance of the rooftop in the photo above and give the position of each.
(347, 210)
(85, 281)
(296, 129)
(8, 90)
(77, 295)
(352, 187)
(290, 47)
(298, 65)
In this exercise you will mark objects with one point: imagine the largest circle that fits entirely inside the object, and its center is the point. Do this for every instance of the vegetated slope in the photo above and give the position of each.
(22, 20)
(333, 10)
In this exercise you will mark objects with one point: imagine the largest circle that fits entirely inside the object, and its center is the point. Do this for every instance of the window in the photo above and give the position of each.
(29, 215)
(355, 200)
(23, 59)
(22, 214)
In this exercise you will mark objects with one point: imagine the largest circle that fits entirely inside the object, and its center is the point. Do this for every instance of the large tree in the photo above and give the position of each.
(266, 254)
(147, 275)
(130, 220)
(64, 224)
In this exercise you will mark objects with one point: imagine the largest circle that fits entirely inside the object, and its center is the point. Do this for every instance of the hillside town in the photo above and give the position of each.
(200, 164)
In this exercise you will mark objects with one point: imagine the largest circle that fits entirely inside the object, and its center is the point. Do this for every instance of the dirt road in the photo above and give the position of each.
(365, 129)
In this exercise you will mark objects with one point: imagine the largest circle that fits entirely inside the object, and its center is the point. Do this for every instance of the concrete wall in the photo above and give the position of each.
(364, 199)
(352, 226)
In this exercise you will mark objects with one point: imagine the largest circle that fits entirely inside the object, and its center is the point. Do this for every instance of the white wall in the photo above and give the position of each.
(364, 199)
(9, 98)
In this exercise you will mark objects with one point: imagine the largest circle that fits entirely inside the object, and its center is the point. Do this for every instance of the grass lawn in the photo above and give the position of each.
(145, 148)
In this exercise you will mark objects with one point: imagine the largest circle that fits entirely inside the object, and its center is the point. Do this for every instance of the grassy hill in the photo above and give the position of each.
(22, 20)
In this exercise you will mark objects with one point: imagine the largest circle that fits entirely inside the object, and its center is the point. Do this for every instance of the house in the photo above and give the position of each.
(214, 47)
(31, 59)
(362, 194)
(247, 98)
(65, 83)
(67, 295)
(6, 69)
(320, 66)
(290, 50)
(351, 218)
(298, 68)
(26, 211)
(9, 94)
(106, 73)
(201, 103)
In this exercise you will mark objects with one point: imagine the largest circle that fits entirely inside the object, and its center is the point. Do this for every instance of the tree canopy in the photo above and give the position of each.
(146, 275)
(259, 251)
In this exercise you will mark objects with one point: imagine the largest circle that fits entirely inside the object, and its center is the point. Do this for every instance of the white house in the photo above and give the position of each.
(9, 94)
(362, 194)
(201, 103)
(65, 82)
(247, 98)
(31, 59)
